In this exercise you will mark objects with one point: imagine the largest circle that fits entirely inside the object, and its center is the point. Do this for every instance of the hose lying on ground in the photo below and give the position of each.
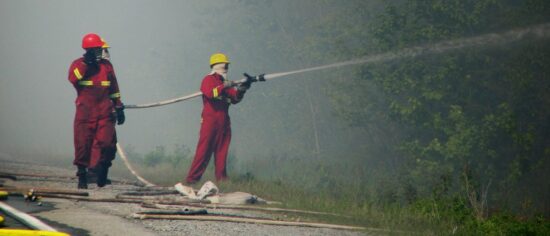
(24, 218)
(122, 154)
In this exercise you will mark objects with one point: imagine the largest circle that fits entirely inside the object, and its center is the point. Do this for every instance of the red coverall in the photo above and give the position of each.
(94, 123)
(215, 133)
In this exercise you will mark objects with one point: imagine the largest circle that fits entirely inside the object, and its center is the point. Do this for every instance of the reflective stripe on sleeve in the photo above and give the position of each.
(106, 83)
(77, 73)
(86, 83)
(215, 92)
(114, 95)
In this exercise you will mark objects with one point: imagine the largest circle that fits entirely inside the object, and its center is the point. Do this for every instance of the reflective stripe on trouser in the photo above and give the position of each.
(99, 133)
(215, 137)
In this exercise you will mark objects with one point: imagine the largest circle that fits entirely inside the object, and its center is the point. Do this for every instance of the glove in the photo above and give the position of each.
(242, 87)
(120, 115)
(228, 83)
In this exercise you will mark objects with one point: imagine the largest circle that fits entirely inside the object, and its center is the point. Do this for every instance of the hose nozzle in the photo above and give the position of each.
(250, 78)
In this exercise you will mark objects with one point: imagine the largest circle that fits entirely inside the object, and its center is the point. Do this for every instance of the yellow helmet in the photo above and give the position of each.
(218, 58)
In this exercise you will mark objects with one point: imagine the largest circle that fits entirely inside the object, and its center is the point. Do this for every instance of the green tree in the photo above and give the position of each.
(476, 116)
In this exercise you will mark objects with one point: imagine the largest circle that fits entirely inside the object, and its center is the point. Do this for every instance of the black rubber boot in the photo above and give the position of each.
(92, 177)
(102, 172)
(82, 179)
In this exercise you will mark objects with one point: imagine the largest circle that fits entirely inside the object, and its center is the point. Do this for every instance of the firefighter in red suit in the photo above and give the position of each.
(215, 134)
(98, 107)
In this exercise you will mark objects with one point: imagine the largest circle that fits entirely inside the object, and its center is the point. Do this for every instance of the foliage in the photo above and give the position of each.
(159, 155)
(466, 110)
(453, 143)
(469, 124)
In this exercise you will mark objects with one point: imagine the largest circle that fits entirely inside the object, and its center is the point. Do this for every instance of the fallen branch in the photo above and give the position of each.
(245, 220)
(117, 200)
(87, 199)
(166, 200)
(188, 211)
(148, 193)
(185, 211)
(41, 191)
(37, 175)
(67, 177)
(177, 205)
(8, 176)
(164, 204)
(154, 188)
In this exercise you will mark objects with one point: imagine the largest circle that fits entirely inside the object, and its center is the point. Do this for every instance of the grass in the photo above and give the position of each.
(348, 202)
(361, 203)
(324, 187)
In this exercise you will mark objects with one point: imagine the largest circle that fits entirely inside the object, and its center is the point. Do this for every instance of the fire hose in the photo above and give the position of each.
(491, 39)
(121, 151)
(193, 95)
(251, 79)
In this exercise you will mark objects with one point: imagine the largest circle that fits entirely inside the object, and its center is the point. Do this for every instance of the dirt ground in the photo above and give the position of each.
(100, 218)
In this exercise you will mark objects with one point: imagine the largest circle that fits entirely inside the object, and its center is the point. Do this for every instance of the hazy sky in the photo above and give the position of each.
(155, 51)
(160, 50)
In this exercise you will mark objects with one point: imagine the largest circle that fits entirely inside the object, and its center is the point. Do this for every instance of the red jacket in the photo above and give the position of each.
(216, 98)
(96, 87)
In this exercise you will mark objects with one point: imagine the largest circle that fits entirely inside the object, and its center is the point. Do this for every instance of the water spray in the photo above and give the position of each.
(493, 39)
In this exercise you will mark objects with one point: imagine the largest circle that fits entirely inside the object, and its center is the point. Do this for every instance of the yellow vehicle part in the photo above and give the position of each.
(3, 195)
(25, 232)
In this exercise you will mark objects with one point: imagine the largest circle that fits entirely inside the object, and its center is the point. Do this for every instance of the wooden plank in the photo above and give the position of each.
(88, 199)
(176, 205)
(50, 176)
(41, 191)
(245, 220)
(8, 176)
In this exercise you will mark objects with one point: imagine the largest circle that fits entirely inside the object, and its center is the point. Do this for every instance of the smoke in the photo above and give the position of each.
(486, 40)
(160, 50)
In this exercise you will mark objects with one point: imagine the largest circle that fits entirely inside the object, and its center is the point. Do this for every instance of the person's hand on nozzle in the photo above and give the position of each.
(228, 83)
(120, 115)
(249, 78)
(246, 84)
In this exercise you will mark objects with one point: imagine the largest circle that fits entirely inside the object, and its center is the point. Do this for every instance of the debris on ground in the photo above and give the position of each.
(135, 204)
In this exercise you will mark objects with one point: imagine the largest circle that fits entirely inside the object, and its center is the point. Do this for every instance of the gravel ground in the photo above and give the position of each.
(98, 218)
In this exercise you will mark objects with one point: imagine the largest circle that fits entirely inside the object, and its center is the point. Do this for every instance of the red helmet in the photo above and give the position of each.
(92, 40)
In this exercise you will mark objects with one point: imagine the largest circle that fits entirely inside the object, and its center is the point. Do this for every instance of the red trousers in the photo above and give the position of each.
(95, 142)
(215, 136)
